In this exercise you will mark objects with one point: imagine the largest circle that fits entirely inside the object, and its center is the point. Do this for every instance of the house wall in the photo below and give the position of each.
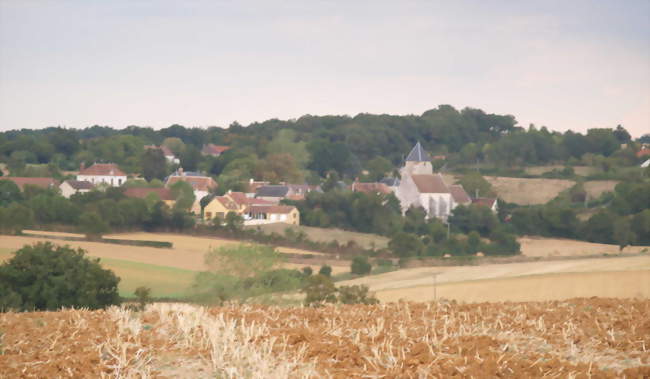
(113, 181)
(437, 204)
(407, 193)
(214, 209)
(275, 200)
(66, 190)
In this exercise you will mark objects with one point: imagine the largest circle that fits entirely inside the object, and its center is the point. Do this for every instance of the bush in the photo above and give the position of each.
(325, 270)
(319, 289)
(307, 271)
(360, 266)
(357, 294)
(143, 296)
(45, 276)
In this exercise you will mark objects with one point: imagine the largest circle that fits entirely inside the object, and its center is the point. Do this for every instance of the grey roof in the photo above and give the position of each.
(391, 182)
(272, 191)
(80, 184)
(418, 154)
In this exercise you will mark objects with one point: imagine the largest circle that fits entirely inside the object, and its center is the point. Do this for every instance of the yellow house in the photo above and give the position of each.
(220, 206)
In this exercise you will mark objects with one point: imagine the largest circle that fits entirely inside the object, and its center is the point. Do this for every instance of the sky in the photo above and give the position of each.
(561, 64)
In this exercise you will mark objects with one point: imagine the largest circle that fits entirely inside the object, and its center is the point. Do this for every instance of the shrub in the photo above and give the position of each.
(319, 289)
(357, 294)
(325, 270)
(360, 266)
(307, 271)
(143, 296)
(92, 225)
(45, 276)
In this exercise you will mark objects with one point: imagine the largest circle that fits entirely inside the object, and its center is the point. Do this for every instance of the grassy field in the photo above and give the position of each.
(163, 281)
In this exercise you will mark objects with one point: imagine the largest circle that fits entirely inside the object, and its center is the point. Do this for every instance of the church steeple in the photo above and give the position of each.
(418, 154)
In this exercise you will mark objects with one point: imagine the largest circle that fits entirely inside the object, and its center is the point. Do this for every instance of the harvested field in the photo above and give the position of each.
(579, 170)
(329, 234)
(595, 188)
(559, 247)
(595, 337)
(623, 277)
(528, 191)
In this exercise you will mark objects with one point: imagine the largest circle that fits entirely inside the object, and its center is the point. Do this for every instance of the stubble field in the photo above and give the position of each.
(599, 338)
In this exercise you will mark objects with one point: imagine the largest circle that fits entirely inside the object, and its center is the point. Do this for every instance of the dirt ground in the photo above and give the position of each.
(595, 188)
(577, 338)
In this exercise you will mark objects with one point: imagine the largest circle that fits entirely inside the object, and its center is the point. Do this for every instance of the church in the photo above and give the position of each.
(421, 187)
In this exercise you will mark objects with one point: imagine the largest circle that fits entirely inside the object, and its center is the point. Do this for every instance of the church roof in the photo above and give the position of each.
(418, 154)
(430, 183)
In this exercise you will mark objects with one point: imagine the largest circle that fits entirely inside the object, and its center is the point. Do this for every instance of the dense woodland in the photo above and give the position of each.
(326, 149)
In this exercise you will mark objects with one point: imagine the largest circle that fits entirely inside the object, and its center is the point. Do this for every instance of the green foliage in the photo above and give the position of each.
(143, 296)
(325, 270)
(154, 164)
(474, 184)
(183, 194)
(405, 245)
(234, 222)
(473, 218)
(319, 289)
(360, 265)
(307, 271)
(9, 193)
(44, 276)
(92, 225)
(356, 294)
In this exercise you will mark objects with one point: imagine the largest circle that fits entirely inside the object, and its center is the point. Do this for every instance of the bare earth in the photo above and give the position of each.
(595, 188)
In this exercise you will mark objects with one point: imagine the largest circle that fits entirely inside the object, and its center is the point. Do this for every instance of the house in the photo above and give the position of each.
(201, 184)
(21, 182)
(490, 202)
(253, 185)
(220, 206)
(391, 183)
(163, 194)
(645, 164)
(420, 187)
(102, 173)
(459, 195)
(71, 187)
(169, 155)
(270, 214)
(214, 150)
(376, 188)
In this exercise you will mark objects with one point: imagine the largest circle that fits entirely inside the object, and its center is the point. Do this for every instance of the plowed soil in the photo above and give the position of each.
(577, 338)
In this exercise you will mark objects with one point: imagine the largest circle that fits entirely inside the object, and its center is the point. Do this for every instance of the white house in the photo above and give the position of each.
(645, 164)
(102, 173)
(70, 187)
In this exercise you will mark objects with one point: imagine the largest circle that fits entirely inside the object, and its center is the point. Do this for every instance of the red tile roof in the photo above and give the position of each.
(198, 183)
(459, 195)
(642, 153)
(102, 169)
(211, 149)
(370, 188)
(485, 201)
(21, 182)
(141, 193)
(430, 183)
(227, 203)
(239, 198)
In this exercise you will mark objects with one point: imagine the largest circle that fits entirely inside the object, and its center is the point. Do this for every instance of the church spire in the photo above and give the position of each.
(418, 154)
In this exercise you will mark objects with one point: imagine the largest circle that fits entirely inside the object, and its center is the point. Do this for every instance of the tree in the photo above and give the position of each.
(234, 222)
(377, 168)
(325, 270)
(360, 265)
(474, 184)
(356, 294)
(623, 233)
(183, 194)
(9, 192)
(154, 164)
(190, 158)
(16, 218)
(92, 225)
(143, 296)
(319, 289)
(47, 277)
(406, 245)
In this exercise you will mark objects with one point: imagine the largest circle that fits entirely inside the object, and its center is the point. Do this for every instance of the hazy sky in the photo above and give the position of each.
(563, 64)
